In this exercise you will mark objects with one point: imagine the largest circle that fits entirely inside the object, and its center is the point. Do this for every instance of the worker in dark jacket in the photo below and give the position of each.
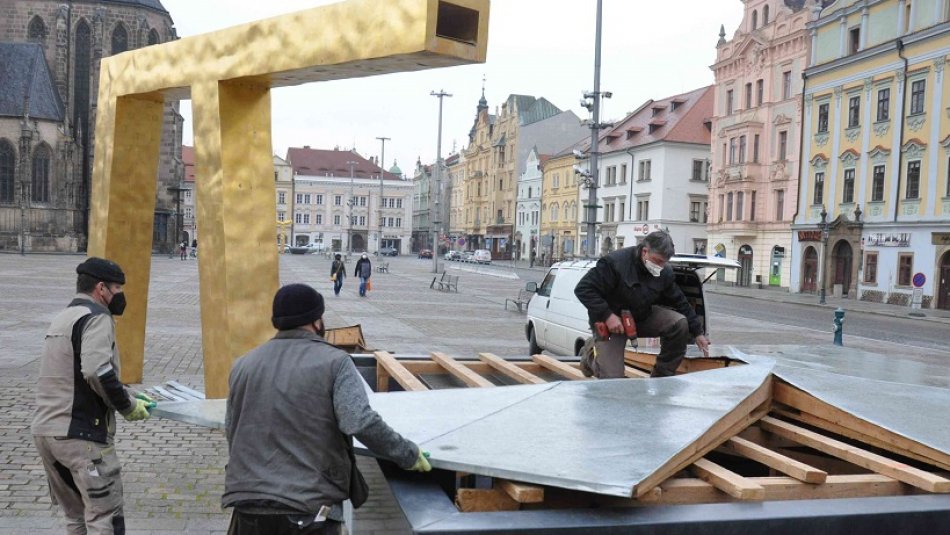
(77, 395)
(638, 279)
(295, 403)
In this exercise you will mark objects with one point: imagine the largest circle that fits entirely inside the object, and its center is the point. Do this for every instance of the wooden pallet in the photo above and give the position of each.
(789, 446)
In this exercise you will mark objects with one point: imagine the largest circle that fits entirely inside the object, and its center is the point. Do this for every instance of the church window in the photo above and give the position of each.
(120, 39)
(37, 29)
(41, 165)
(153, 38)
(7, 171)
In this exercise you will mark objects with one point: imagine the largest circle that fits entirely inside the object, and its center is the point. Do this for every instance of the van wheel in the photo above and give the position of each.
(533, 347)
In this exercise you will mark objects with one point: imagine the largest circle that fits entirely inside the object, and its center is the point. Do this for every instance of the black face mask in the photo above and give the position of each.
(117, 304)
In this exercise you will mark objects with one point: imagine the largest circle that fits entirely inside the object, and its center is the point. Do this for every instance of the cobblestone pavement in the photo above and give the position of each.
(173, 472)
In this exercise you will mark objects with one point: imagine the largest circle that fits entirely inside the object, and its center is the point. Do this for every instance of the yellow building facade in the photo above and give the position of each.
(560, 206)
(873, 218)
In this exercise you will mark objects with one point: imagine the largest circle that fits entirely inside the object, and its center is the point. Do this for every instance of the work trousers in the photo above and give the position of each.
(85, 480)
(670, 327)
(255, 524)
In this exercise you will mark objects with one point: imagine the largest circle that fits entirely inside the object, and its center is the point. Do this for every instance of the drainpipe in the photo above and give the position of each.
(900, 154)
(633, 170)
(801, 150)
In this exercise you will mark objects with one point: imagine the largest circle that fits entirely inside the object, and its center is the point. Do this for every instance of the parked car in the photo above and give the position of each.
(467, 256)
(425, 253)
(389, 251)
(482, 256)
(557, 321)
(452, 255)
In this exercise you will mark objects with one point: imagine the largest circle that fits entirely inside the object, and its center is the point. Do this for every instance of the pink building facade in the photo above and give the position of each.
(756, 140)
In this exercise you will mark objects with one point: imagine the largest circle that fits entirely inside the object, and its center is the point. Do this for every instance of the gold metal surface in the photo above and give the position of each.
(229, 74)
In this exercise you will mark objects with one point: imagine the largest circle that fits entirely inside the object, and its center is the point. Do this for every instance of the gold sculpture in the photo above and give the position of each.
(228, 75)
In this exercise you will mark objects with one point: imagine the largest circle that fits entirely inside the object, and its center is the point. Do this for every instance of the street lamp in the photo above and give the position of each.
(178, 219)
(382, 173)
(351, 202)
(437, 219)
(823, 226)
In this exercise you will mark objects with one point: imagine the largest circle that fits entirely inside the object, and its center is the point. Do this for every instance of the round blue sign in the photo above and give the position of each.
(919, 280)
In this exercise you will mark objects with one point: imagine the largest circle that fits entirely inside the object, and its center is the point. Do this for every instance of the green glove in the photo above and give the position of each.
(139, 412)
(149, 402)
(422, 462)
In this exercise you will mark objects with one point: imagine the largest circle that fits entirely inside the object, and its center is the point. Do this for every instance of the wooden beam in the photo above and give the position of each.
(558, 367)
(484, 500)
(509, 369)
(727, 481)
(853, 454)
(839, 420)
(521, 492)
(458, 370)
(634, 373)
(399, 372)
(777, 461)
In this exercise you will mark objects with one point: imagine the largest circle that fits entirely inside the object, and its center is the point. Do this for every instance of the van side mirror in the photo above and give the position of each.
(531, 287)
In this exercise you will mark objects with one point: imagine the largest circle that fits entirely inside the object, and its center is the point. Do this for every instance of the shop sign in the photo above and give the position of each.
(882, 239)
(644, 229)
(809, 235)
(941, 238)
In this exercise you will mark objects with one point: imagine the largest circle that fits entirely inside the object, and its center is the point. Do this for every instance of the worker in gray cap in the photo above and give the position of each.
(77, 395)
(295, 403)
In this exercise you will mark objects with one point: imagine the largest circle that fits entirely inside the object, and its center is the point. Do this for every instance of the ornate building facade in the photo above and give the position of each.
(49, 78)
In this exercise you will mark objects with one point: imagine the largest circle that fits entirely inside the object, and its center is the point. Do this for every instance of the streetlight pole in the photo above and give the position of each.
(350, 203)
(437, 217)
(594, 142)
(382, 173)
(823, 225)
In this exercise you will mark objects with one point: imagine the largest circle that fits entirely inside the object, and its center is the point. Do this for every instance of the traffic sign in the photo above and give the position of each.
(919, 280)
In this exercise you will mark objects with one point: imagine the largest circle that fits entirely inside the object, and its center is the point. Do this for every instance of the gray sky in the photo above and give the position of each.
(536, 47)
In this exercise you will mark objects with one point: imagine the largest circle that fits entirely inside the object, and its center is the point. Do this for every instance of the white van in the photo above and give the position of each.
(482, 256)
(557, 321)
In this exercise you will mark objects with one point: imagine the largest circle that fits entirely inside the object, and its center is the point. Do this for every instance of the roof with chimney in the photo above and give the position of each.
(28, 86)
(319, 162)
(684, 118)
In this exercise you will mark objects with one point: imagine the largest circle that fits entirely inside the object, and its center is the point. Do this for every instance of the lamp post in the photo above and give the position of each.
(823, 226)
(178, 223)
(594, 100)
(382, 173)
(437, 218)
(350, 204)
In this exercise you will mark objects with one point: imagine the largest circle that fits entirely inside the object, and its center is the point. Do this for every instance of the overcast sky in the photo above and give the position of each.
(536, 47)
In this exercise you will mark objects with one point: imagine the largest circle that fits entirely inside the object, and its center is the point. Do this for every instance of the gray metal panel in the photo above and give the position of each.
(597, 436)
(206, 412)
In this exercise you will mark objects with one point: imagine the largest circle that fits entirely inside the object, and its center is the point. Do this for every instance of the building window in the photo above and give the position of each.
(319, 219)
(120, 39)
(913, 180)
(819, 196)
(733, 147)
(281, 197)
(855, 40)
(281, 216)
(877, 184)
(37, 29)
(7, 171)
(823, 117)
(883, 105)
(41, 161)
(787, 85)
(765, 15)
(643, 210)
(917, 91)
(783, 145)
(759, 92)
(153, 38)
(741, 149)
(362, 222)
(644, 170)
(362, 201)
(870, 268)
(319, 199)
(398, 222)
(300, 198)
(752, 207)
(623, 173)
(623, 210)
(338, 200)
(705, 212)
(755, 149)
(722, 206)
(694, 208)
(398, 203)
(780, 205)
(729, 102)
(755, 20)
(748, 95)
(740, 205)
(698, 166)
(905, 268)
(298, 218)
(847, 192)
(729, 207)
(854, 111)
(336, 220)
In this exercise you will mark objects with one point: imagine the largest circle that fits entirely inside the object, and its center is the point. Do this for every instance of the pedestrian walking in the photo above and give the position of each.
(77, 395)
(337, 273)
(363, 270)
(183, 249)
(639, 281)
(294, 406)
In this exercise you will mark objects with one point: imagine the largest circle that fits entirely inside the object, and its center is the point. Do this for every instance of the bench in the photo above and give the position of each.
(446, 282)
(524, 296)
(382, 267)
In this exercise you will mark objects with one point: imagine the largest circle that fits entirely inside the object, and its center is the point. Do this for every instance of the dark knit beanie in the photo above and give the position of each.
(101, 269)
(296, 305)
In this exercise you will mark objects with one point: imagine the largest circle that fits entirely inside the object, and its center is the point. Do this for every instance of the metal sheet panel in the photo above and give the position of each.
(205, 412)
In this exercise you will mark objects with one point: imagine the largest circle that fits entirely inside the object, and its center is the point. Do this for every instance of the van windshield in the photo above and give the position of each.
(547, 283)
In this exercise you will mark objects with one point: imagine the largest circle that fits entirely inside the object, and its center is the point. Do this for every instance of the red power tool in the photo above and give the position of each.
(629, 326)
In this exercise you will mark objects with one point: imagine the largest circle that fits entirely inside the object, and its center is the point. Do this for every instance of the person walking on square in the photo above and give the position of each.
(77, 396)
(638, 279)
(183, 249)
(294, 406)
(363, 270)
(337, 273)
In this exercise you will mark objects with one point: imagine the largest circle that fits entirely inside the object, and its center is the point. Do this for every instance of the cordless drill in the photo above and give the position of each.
(629, 326)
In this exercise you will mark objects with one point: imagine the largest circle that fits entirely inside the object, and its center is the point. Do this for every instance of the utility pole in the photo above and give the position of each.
(351, 203)
(437, 217)
(382, 173)
(594, 143)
